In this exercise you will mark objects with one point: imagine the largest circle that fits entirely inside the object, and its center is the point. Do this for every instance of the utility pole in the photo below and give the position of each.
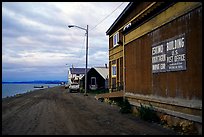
(72, 73)
(85, 93)
(86, 62)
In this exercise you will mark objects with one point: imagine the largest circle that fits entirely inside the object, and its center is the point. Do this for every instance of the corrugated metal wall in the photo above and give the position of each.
(183, 84)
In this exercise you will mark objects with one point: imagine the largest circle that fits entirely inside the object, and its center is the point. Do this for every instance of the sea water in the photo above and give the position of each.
(13, 89)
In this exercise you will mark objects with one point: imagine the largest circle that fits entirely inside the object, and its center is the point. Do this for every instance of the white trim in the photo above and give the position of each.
(113, 75)
(116, 36)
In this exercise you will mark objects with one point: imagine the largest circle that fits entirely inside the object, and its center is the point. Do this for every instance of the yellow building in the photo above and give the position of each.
(155, 57)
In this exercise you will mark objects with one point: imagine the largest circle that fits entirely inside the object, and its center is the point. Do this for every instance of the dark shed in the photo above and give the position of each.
(97, 78)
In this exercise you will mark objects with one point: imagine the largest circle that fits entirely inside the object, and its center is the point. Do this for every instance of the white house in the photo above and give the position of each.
(75, 74)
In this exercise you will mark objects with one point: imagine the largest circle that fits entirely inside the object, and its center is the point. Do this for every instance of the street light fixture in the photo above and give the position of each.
(70, 26)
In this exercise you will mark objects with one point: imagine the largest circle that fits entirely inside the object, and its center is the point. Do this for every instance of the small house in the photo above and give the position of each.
(97, 78)
(75, 74)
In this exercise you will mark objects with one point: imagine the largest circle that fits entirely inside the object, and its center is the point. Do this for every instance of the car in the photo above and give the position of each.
(74, 87)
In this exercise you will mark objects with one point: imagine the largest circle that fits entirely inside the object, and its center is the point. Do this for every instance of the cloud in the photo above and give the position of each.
(25, 40)
(36, 39)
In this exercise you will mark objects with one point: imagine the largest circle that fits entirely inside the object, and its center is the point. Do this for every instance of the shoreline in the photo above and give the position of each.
(25, 93)
(9, 92)
(18, 95)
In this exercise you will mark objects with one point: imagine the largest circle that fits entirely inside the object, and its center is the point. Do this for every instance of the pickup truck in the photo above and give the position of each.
(74, 87)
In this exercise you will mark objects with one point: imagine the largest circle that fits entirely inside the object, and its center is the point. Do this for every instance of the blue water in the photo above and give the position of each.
(13, 89)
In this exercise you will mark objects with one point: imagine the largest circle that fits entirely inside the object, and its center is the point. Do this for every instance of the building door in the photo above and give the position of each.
(93, 80)
(93, 85)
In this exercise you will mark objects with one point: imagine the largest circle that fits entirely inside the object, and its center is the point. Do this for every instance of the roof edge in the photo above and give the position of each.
(119, 17)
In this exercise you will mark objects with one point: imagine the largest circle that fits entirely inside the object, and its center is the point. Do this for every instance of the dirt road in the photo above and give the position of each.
(54, 111)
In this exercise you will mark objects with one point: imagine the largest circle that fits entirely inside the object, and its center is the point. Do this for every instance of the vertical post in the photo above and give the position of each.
(72, 73)
(124, 68)
(86, 61)
(67, 74)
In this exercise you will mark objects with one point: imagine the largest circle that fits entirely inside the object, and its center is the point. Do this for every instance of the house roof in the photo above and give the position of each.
(103, 71)
(78, 70)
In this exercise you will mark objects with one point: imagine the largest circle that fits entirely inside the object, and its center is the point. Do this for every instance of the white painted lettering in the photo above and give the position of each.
(180, 57)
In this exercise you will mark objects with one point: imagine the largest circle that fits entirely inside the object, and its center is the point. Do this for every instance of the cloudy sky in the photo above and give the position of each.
(37, 44)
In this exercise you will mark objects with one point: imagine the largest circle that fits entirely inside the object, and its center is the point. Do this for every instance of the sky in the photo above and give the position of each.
(38, 45)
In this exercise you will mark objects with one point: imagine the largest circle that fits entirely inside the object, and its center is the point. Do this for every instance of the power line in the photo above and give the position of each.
(81, 49)
(106, 16)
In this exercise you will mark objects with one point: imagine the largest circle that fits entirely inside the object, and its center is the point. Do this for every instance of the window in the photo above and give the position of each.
(115, 39)
(113, 70)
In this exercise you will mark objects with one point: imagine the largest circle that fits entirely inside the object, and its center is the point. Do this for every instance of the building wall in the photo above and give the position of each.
(116, 53)
(115, 82)
(184, 84)
(115, 58)
(177, 93)
(138, 75)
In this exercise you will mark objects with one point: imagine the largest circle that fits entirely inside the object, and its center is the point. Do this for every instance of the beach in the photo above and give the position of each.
(12, 89)
(55, 111)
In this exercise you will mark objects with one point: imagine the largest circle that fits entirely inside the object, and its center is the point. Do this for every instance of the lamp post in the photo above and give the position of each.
(70, 26)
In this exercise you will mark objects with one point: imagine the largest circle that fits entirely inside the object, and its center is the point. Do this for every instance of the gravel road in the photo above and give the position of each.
(54, 111)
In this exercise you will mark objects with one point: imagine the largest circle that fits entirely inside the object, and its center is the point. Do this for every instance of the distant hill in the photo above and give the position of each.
(36, 82)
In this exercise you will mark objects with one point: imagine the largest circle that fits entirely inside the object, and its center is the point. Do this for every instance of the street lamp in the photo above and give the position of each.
(70, 26)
